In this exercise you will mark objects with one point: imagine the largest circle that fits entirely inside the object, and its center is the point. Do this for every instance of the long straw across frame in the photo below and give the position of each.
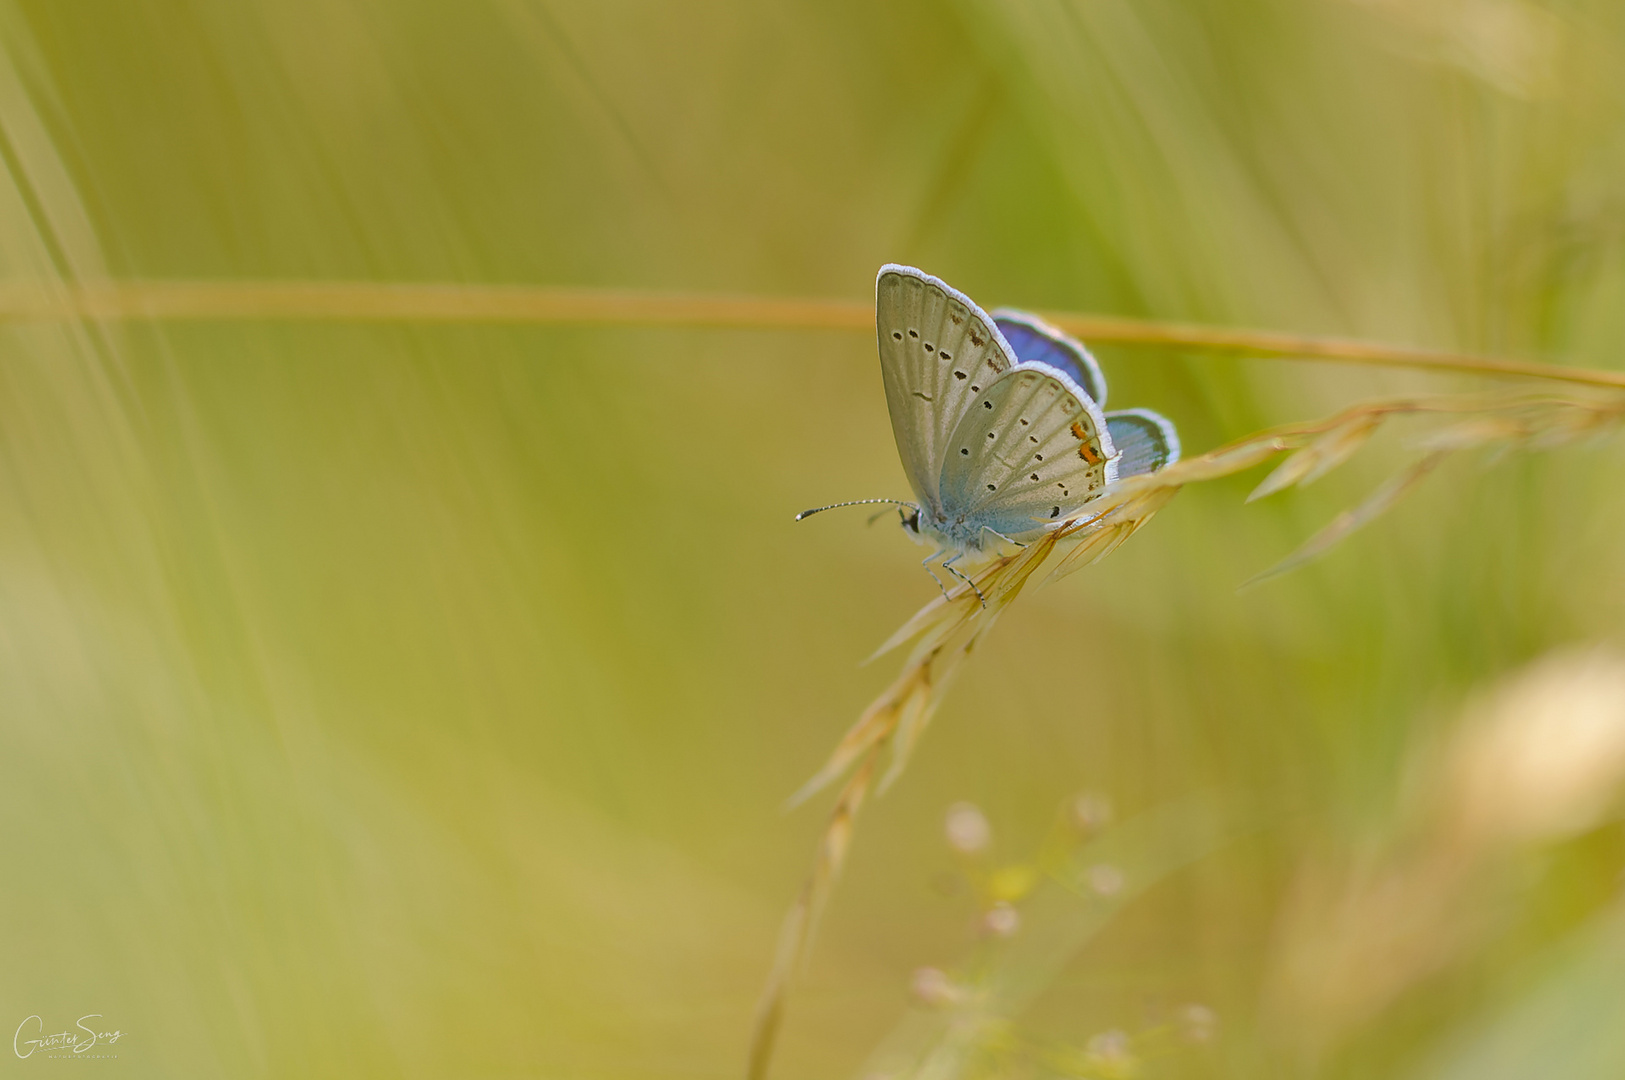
(354, 301)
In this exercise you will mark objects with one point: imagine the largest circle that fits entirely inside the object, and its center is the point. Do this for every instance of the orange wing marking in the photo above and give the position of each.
(1085, 451)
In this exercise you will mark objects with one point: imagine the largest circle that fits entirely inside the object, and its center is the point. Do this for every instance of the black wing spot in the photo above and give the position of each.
(927, 345)
(913, 333)
(1035, 476)
(990, 434)
(1023, 421)
(1061, 485)
(965, 450)
(960, 375)
(1031, 438)
(987, 404)
(944, 354)
(1055, 511)
(992, 487)
(897, 335)
(974, 388)
(1038, 457)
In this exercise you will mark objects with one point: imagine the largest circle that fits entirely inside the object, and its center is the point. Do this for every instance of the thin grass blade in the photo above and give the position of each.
(1382, 500)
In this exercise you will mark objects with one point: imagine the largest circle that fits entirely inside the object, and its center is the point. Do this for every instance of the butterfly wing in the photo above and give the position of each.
(938, 350)
(1037, 342)
(1146, 440)
(1031, 449)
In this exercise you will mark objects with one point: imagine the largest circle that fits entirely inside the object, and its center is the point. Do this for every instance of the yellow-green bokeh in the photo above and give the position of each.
(420, 701)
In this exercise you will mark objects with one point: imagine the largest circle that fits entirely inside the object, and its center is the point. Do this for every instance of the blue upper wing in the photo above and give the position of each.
(1146, 440)
(1035, 341)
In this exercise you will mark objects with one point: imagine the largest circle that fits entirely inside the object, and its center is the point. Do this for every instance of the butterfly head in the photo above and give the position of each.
(960, 534)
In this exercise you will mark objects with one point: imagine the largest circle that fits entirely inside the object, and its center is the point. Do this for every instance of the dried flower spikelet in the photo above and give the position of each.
(1512, 45)
(933, 988)
(968, 830)
(1091, 812)
(1479, 431)
(1544, 755)
(1105, 880)
(1320, 456)
(1002, 920)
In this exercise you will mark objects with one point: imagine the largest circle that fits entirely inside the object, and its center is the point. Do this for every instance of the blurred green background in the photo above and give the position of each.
(420, 701)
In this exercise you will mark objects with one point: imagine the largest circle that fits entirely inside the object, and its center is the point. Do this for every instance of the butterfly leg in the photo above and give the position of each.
(949, 566)
(1003, 537)
(925, 564)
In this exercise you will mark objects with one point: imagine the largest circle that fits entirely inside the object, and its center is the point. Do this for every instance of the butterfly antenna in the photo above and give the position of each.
(856, 502)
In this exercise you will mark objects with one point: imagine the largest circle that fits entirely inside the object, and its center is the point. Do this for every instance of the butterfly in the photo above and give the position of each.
(998, 420)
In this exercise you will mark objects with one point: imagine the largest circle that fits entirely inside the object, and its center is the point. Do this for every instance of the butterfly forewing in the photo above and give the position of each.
(1031, 449)
(938, 351)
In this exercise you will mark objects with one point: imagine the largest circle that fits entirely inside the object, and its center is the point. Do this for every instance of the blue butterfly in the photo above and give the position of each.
(998, 420)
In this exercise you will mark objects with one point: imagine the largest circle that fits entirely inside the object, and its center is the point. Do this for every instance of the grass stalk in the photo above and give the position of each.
(357, 301)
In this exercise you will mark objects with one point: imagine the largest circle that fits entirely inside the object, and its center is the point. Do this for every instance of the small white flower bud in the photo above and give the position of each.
(1110, 1045)
(968, 830)
(1105, 880)
(1002, 920)
(1091, 812)
(1198, 1023)
(933, 988)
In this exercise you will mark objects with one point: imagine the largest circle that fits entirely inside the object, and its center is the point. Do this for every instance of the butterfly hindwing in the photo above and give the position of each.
(1145, 440)
(938, 351)
(1031, 449)
(1037, 342)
